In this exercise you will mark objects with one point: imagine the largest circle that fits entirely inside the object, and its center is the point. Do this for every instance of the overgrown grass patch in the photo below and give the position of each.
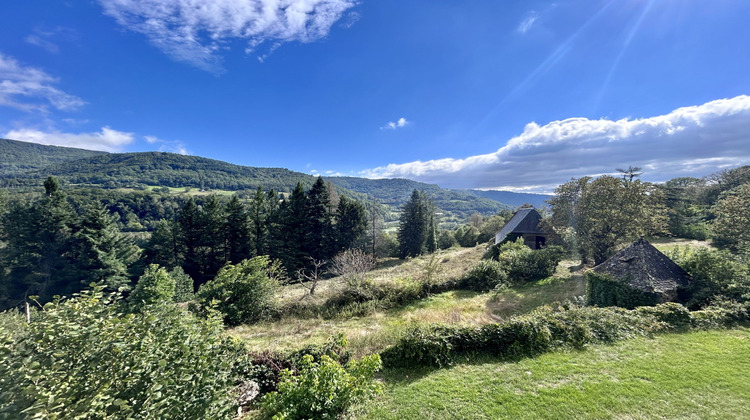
(693, 375)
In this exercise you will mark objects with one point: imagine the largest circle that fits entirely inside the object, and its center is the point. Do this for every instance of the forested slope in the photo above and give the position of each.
(18, 156)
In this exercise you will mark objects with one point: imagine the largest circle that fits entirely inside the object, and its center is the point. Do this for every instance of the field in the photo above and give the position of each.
(381, 328)
(696, 375)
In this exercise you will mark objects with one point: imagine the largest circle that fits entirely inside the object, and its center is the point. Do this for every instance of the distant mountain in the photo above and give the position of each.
(512, 198)
(18, 156)
(395, 192)
(82, 168)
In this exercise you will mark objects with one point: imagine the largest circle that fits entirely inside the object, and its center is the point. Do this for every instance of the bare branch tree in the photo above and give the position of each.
(312, 277)
(352, 263)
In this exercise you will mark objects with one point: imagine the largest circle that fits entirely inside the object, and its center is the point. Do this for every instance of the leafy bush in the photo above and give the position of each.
(183, 288)
(244, 292)
(322, 390)
(486, 275)
(523, 264)
(715, 274)
(604, 290)
(525, 336)
(85, 358)
(153, 287)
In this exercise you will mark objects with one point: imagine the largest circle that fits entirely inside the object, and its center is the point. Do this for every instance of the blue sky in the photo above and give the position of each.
(519, 95)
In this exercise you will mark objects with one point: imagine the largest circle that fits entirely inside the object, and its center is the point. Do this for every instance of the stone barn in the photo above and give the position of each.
(525, 224)
(644, 269)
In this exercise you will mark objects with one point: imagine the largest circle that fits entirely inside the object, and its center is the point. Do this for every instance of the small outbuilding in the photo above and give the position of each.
(639, 274)
(524, 223)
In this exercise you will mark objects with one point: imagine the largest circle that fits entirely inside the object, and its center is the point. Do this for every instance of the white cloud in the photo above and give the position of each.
(527, 23)
(690, 141)
(31, 89)
(106, 139)
(194, 30)
(392, 125)
(172, 146)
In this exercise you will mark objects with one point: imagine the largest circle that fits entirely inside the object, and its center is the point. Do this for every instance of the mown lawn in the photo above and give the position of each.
(695, 375)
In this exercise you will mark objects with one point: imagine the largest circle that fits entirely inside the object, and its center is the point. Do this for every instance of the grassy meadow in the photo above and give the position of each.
(696, 375)
(381, 328)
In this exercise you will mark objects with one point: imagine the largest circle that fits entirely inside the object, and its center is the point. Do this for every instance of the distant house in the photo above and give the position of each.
(525, 224)
(644, 268)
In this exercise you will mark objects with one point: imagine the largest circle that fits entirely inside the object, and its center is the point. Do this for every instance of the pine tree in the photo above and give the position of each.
(238, 245)
(189, 234)
(259, 215)
(319, 240)
(413, 225)
(100, 252)
(351, 223)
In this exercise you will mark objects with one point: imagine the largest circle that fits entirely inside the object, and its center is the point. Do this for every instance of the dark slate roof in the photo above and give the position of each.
(524, 221)
(645, 268)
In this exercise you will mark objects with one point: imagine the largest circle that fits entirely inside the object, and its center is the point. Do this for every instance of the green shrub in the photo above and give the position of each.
(715, 274)
(322, 390)
(244, 292)
(486, 275)
(523, 264)
(604, 290)
(673, 314)
(183, 289)
(154, 286)
(525, 336)
(84, 358)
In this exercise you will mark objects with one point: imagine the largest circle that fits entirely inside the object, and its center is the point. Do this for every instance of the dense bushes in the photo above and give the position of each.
(322, 389)
(84, 358)
(546, 329)
(486, 275)
(244, 292)
(715, 274)
(604, 290)
(512, 262)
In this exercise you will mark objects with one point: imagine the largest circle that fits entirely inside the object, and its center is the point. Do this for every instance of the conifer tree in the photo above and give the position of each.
(319, 241)
(414, 225)
(351, 223)
(238, 241)
(259, 215)
(100, 252)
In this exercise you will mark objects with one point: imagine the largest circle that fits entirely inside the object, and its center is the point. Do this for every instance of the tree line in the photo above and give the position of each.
(51, 245)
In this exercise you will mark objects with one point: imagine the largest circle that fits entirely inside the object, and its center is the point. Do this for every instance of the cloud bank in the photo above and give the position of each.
(194, 30)
(689, 141)
(30, 89)
(106, 139)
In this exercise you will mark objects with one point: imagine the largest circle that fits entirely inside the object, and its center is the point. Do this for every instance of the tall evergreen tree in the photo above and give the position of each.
(37, 237)
(319, 241)
(259, 214)
(237, 234)
(100, 252)
(212, 226)
(413, 225)
(291, 237)
(189, 234)
(351, 223)
(163, 247)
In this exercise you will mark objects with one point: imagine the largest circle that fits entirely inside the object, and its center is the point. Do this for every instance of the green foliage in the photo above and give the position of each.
(715, 274)
(83, 358)
(732, 225)
(244, 292)
(19, 157)
(154, 287)
(608, 211)
(528, 335)
(183, 287)
(322, 390)
(414, 225)
(523, 264)
(486, 275)
(603, 290)
(466, 235)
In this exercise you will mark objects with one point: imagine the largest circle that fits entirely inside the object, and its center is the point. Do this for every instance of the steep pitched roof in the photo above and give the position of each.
(645, 268)
(524, 221)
